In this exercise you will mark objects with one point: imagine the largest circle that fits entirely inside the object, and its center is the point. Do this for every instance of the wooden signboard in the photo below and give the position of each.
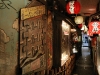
(32, 12)
(32, 39)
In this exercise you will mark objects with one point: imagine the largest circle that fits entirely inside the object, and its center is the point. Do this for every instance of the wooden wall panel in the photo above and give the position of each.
(49, 41)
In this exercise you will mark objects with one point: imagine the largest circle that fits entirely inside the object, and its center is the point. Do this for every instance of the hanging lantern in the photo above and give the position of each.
(78, 19)
(73, 7)
(94, 27)
(80, 26)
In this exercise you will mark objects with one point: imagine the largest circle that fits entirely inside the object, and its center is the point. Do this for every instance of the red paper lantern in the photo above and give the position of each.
(73, 7)
(94, 28)
(80, 26)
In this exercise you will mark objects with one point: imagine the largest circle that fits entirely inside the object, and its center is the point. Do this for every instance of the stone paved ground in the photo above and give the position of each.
(84, 64)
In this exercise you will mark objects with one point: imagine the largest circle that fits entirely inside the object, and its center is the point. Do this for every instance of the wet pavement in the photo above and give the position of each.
(84, 64)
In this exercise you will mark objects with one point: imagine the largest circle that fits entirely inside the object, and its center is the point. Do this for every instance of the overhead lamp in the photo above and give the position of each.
(78, 19)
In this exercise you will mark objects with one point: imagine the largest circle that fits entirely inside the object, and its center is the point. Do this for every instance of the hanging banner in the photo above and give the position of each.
(94, 28)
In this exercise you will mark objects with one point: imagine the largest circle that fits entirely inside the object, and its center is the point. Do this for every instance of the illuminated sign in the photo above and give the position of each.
(94, 28)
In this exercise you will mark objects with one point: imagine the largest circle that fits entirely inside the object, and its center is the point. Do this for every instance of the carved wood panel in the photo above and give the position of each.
(33, 42)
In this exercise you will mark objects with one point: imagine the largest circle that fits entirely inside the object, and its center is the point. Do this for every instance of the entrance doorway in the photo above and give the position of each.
(86, 44)
(85, 40)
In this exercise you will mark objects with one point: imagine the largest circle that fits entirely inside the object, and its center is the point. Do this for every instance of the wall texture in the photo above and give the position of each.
(9, 10)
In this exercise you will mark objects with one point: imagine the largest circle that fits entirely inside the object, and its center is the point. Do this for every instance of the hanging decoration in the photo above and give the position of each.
(94, 28)
(80, 26)
(84, 28)
(73, 7)
(78, 19)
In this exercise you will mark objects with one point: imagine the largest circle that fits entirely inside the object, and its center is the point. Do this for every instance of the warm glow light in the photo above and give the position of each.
(64, 58)
(74, 49)
(65, 28)
(99, 70)
(78, 19)
(73, 30)
(84, 28)
(91, 9)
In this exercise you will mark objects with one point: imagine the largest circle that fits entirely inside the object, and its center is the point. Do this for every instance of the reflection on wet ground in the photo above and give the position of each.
(84, 64)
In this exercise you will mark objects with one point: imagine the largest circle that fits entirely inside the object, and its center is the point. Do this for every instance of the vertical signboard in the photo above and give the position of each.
(32, 38)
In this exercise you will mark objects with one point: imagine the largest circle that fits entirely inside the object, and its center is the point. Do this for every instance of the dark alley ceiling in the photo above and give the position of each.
(88, 7)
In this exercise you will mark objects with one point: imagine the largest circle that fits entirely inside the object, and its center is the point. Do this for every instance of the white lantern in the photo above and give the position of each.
(78, 19)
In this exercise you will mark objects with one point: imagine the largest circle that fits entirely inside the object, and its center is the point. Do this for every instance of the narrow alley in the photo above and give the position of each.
(84, 64)
(49, 37)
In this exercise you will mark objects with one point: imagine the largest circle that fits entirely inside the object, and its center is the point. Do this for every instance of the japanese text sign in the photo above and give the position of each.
(94, 28)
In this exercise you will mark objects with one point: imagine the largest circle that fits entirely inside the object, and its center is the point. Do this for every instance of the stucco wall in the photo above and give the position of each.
(9, 10)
